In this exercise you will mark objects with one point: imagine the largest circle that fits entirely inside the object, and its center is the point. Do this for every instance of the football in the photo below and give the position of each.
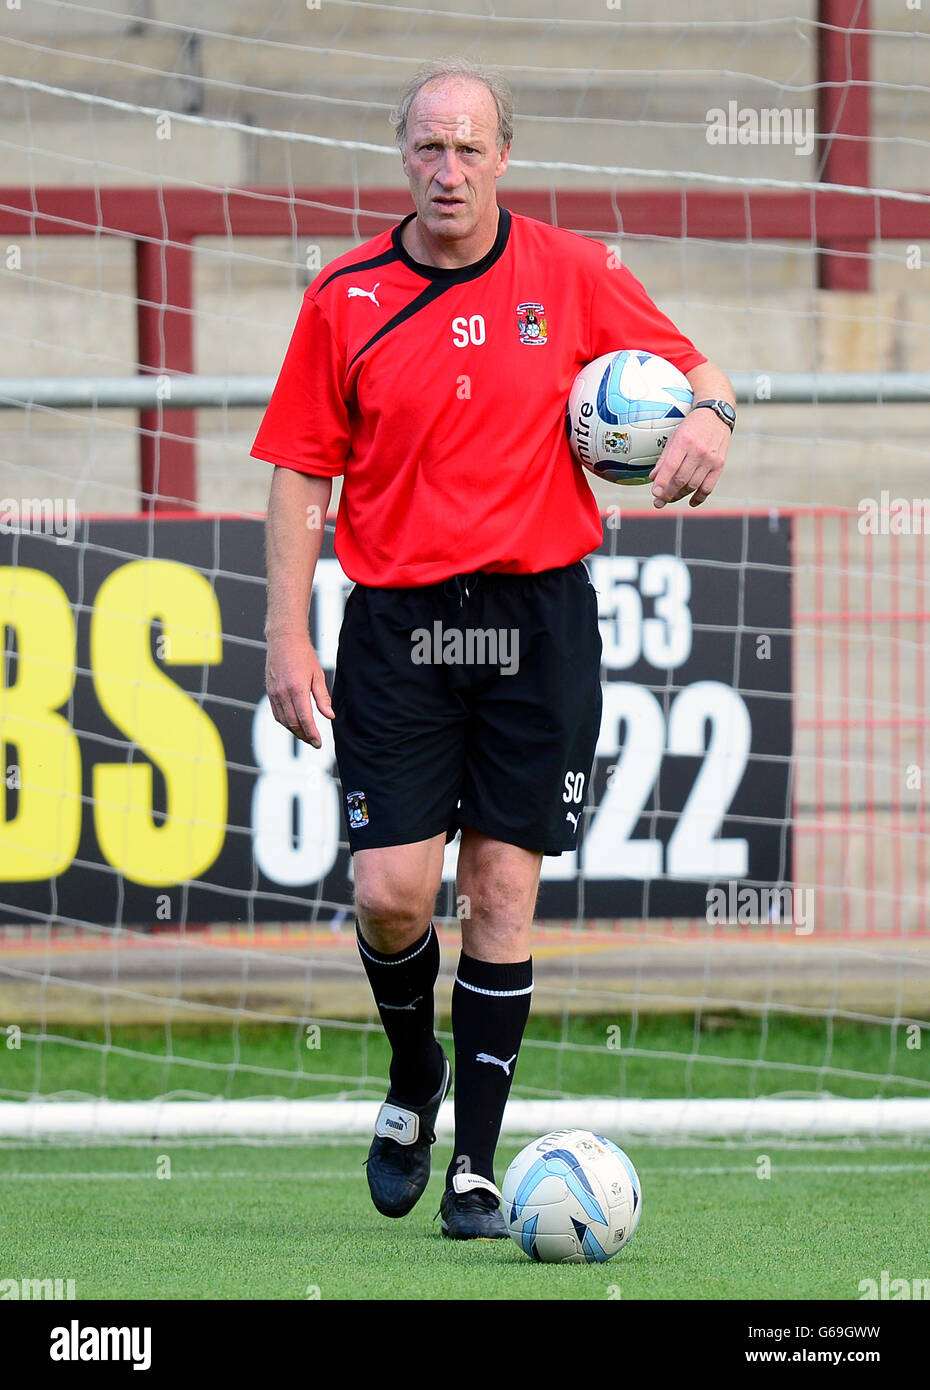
(622, 410)
(572, 1197)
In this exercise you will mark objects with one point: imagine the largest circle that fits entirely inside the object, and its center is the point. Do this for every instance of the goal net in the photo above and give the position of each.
(740, 946)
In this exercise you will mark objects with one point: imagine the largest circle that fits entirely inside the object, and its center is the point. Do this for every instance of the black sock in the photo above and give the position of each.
(490, 1006)
(403, 988)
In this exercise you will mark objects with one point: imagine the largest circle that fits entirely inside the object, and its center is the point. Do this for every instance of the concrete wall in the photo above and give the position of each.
(594, 83)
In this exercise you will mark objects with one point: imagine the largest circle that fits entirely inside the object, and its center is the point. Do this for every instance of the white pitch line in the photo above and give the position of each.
(317, 1141)
(153, 1177)
(742, 1170)
(749, 1169)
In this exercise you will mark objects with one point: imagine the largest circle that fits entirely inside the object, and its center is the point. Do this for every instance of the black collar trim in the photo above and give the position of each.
(454, 274)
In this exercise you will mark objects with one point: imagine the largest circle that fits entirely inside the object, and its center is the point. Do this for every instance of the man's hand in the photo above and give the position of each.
(292, 674)
(692, 460)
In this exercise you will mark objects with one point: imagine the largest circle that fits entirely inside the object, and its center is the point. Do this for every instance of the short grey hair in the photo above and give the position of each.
(461, 68)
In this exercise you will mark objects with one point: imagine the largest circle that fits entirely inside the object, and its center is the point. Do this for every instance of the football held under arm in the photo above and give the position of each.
(691, 464)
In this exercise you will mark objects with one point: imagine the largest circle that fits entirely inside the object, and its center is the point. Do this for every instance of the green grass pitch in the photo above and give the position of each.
(246, 1222)
(286, 1221)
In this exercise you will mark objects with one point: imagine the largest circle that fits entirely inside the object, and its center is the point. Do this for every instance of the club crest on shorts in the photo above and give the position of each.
(531, 323)
(357, 809)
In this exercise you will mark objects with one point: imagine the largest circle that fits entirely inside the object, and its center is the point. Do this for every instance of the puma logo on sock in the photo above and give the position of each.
(412, 1005)
(496, 1061)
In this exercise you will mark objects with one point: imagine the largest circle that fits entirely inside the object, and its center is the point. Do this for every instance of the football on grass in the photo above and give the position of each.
(572, 1197)
(622, 410)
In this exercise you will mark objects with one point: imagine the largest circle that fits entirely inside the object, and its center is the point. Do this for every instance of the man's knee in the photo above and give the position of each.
(390, 903)
(395, 892)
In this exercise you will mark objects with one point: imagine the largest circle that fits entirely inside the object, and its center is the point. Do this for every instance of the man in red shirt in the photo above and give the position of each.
(430, 368)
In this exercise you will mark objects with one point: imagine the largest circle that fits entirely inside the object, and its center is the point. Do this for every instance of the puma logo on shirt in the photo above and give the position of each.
(355, 292)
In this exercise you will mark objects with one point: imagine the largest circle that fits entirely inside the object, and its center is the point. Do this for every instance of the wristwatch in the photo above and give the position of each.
(722, 409)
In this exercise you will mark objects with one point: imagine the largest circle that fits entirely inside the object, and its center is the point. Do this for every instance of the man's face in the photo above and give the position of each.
(450, 157)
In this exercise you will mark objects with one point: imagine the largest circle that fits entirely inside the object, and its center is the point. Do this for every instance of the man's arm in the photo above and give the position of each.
(293, 542)
(694, 456)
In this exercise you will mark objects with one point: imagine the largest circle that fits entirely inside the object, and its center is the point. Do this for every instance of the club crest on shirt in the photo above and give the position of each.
(531, 323)
(357, 808)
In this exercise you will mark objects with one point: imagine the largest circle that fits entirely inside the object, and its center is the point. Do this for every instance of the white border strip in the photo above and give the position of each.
(743, 1119)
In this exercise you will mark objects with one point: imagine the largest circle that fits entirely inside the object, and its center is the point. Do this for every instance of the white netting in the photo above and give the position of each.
(290, 103)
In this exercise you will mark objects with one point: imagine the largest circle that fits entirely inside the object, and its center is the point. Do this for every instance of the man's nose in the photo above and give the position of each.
(450, 170)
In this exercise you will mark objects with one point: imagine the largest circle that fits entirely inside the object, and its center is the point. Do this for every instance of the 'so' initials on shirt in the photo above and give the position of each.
(471, 330)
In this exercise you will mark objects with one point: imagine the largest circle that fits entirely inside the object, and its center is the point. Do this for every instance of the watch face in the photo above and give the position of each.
(721, 408)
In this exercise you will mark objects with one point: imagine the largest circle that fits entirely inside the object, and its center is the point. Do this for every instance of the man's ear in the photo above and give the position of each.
(503, 160)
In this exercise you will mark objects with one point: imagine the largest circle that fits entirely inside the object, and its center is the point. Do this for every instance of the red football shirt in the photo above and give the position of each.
(440, 395)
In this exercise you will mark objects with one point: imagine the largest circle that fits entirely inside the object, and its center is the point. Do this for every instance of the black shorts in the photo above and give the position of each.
(474, 702)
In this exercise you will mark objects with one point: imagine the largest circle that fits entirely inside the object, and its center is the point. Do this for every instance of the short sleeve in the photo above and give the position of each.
(306, 424)
(623, 316)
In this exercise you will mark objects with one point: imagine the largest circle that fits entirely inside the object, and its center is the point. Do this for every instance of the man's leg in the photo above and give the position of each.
(497, 887)
(395, 890)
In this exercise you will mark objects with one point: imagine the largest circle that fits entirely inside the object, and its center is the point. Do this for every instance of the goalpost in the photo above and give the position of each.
(745, 927)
